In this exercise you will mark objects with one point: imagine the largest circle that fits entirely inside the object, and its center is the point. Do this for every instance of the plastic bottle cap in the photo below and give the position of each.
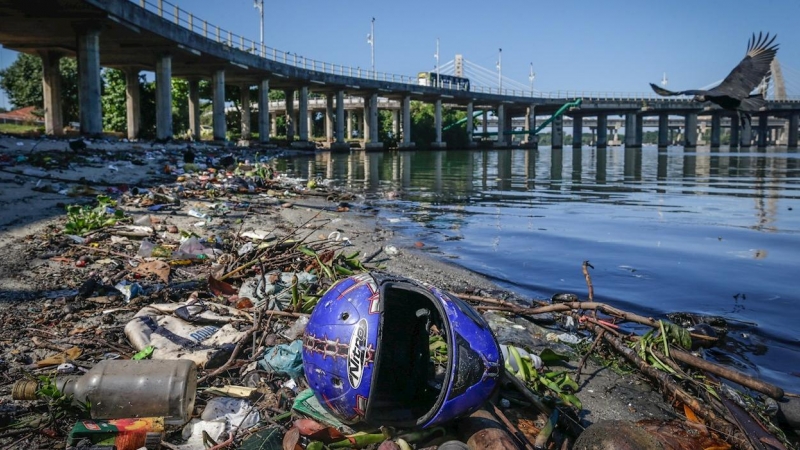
(25, 390)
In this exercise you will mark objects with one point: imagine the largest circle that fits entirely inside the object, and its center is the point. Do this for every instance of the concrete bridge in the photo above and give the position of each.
(143, 35)
(676, 125)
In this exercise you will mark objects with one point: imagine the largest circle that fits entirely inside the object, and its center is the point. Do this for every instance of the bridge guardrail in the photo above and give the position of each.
(183, 18)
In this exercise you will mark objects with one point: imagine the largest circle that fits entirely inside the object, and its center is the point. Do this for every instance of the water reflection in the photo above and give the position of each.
(702, 230)
(765, 175)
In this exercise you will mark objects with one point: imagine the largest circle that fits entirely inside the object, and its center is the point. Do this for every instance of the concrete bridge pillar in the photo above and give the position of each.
(329, 118)
(289, 94)
(244, 98)
(407, 123)
(51, 88)
(639, 139)
(91, 113)
(132, 102)
(374, 142)
(530, 124)
(746, 135)
(794, 122)
(602, 130)
(485, 121)
(501, 125)
(365, 121)
(340, 143)
(218, 105)
(577, 131)
(630, 129)
(303, 115)
(194, 108)
(763, 121)
(264, 116)
(310, 123)
(273, 123)
(735, 135)
(716, 130)
(437, 125)
(350, 120)
(614, 135)
(164, 97)
(557, 132)
(690, 139)
(395, 123)
(471, 125)
(593, 131)
(663, 130)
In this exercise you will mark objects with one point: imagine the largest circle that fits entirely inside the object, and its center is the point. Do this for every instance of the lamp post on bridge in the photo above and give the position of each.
(436, 55)
(500, 71)
(259, 5)
(371, 42)
(531, 77)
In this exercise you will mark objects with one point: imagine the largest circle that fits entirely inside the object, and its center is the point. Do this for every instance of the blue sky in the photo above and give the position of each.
(609, 45)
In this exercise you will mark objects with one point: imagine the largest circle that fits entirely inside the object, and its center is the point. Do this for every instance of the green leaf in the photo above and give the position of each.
(306, 251)
(143, 353)
(550, 356)
(571, 399)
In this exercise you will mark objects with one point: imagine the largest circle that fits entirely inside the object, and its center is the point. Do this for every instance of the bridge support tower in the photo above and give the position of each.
(437, 125)
(746, 135)
(794, 121)
(501, 125)
(194, 108)
(471, 125)
(630, 129)
(663, 130)
(218, 105)
(716, 130)
(244, 97)
(340, 144)
(264, 116)
(51, 88)
(289, 94)
(690, 137)
(406, 107)
(91, 114)
(557, 132)
(763, 127)
(577, 131)
(602, 130)
(133, 113)
(371, 115)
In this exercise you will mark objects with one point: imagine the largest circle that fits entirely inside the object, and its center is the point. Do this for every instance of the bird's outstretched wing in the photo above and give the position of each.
(661, 91)
(751, 70)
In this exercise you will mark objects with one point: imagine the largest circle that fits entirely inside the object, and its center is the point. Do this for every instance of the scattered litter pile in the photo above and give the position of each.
(187, 314)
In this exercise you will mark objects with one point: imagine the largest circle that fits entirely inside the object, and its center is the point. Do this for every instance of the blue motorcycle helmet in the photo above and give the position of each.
(386, 350)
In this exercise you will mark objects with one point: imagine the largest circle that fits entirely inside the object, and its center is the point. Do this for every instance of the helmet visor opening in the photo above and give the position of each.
(412, 360)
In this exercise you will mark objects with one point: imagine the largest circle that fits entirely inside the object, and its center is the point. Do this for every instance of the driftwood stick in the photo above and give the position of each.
(569, 306)
(670, 387)
(730, 374)
(588, 279)
(520, 437)
(494, 301)
(586, 356)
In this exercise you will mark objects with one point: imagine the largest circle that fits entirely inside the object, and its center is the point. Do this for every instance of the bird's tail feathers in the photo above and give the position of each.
(753, 103)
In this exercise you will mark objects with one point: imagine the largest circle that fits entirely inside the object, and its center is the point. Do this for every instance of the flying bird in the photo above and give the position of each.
(734, 93)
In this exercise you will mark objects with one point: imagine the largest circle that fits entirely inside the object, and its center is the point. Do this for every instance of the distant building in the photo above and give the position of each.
(21, 116)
